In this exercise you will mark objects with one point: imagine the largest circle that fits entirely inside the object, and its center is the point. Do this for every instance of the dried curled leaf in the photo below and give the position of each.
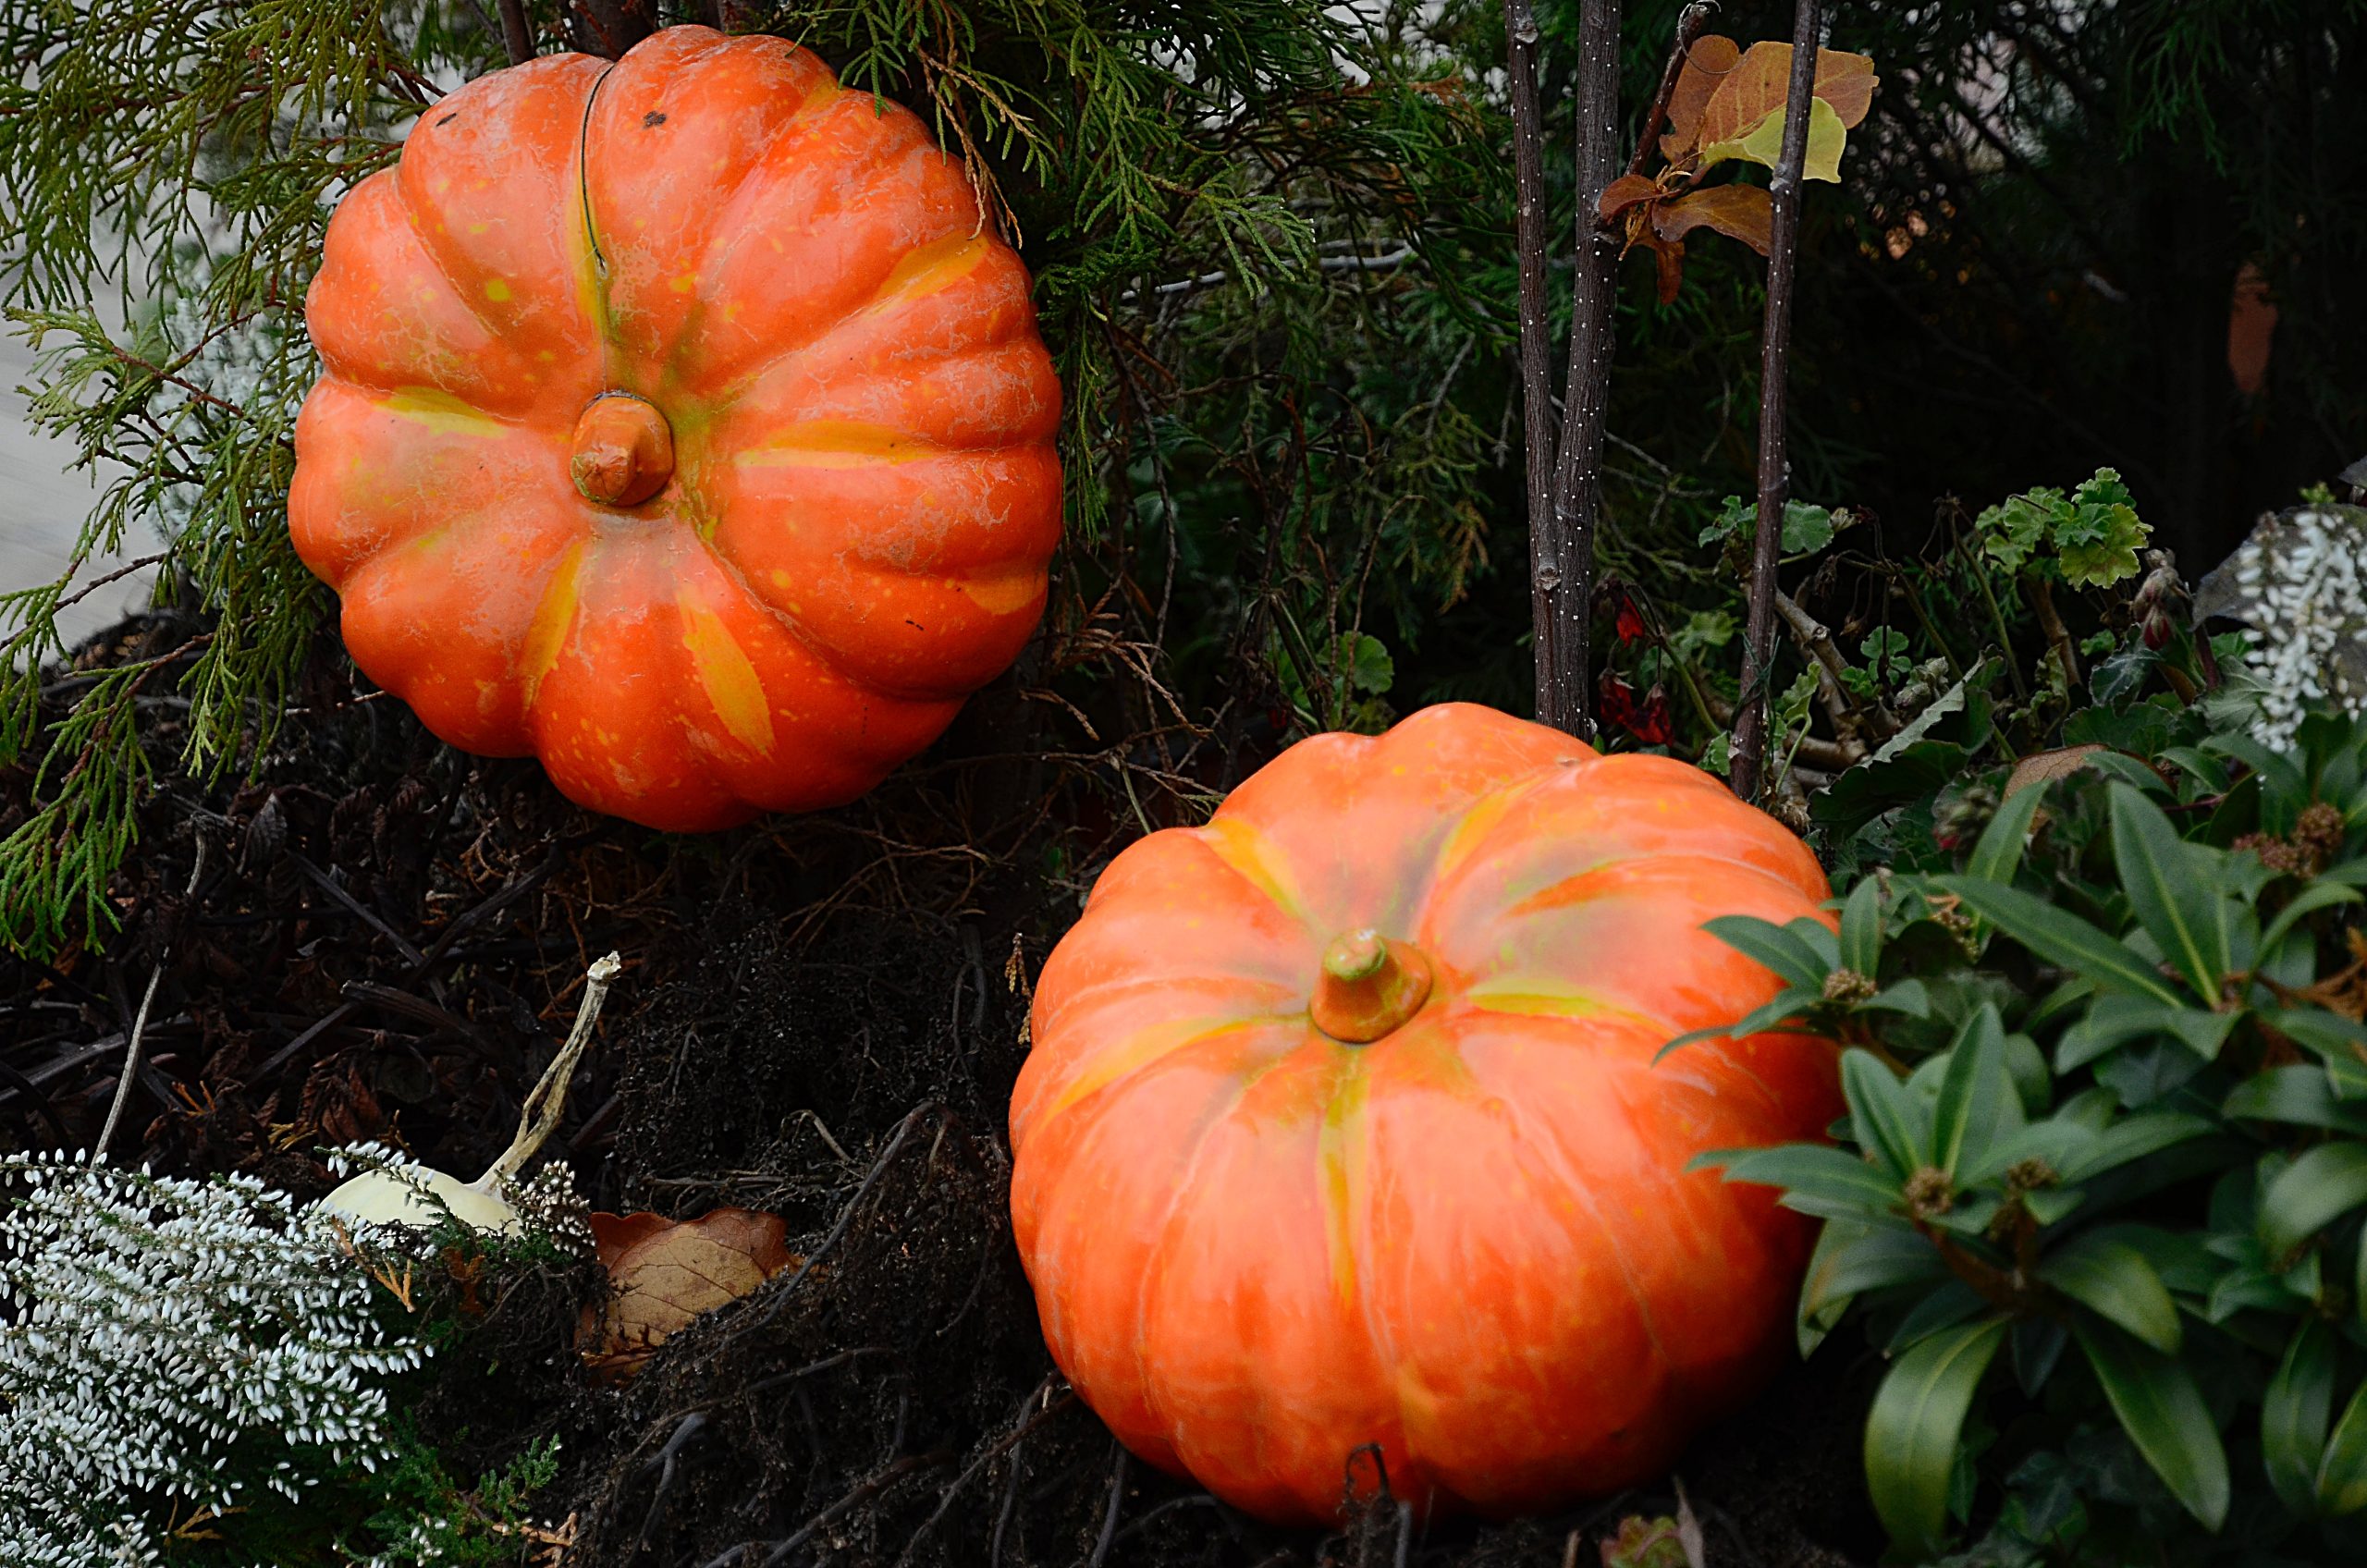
(1738, 212)
(667, 1272)
(1708, 62)
(1734, 106)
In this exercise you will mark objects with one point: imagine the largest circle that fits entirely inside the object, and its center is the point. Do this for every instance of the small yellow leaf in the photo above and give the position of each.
(1764, 143)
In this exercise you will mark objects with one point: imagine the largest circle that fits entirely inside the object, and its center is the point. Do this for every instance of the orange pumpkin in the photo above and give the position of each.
(683, 425)
(1341, 1124)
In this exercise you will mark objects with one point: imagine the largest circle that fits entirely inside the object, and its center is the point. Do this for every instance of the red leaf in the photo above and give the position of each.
(1652, 723)
(1615, 698)
(1629, 621)
(1624, 193)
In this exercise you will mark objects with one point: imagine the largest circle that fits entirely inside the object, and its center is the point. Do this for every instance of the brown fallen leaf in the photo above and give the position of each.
(2042, 767)
(667, 1272)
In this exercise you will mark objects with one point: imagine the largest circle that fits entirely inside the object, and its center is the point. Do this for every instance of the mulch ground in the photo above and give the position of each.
(819, 1017)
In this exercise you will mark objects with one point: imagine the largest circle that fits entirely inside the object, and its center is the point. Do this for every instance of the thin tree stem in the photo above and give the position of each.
(1774, 471)
(1577, 473)
(1691, 23)
(1536, 367)
(516, 36)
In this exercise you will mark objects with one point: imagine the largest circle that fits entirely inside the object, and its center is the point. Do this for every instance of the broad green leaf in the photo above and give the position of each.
(1913, 1430)
(2328, 1034)
(1780, 950)
(2062, 937)
(1908, 996)
(1815, 1179)
(1998, 852)
(2113, 1279)
(2277, 771)
(2159, 873)
(2116, 1018)
(1975, 1096)
(2293, 1415)
(2309, 900)
(1861, 927)
(2163, 1414)
(1852, 1259)
(1891, 1123)
(2342, 1474)
(2250, 1290)
(2319, 1187)
(2132, 1137)
(1788, 1008)
(2299, 1096)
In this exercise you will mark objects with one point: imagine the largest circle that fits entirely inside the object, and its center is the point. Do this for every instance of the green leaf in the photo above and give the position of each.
(1816, 1179)
(2163, 1414)
(2293, 1414)
(2173, 901)
(1976, 1097)
(2342, 1474)
(1850, 1259)
(2299, 1096)
(1861, 927)
(2330, 1034)
(2114, 1281)
(2309, 900)
(2063, 938)
(1789, 1007)
(2131, 1138)
(2115, 1019)
(2319, 1187)
(1913, 1430)
(1891, 1122)
(1773, 945)
(1998, 852)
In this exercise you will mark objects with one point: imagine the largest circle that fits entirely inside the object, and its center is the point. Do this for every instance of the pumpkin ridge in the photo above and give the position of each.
(1558, 894)
(469, 299)
(730, 223)
(1549, 1149)
(1155, 1255)
(746, 385)
(1087, 1080)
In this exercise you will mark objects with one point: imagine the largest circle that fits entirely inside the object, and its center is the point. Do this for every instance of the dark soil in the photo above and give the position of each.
(819, 1017)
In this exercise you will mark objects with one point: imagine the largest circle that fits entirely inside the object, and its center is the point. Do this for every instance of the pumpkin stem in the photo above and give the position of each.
(624, 450)
(1368, 986)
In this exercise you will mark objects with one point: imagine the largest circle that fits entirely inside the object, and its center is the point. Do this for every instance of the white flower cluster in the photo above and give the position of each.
(2300, 585)
(167, 1348)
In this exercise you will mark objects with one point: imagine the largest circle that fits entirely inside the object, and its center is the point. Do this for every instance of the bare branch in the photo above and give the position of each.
(516, 36)
(1568, 577)
(1775, 470)
(1536, 367)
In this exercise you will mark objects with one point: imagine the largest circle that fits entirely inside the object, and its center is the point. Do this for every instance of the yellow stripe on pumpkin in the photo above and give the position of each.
(936, 265)
(440, 410)
(1340, 1149)
(553, 618)
(1004, 592)
(725, 672)
(835, 443)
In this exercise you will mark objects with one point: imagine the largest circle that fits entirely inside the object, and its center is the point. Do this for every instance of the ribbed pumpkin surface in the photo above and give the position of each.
(682, 425)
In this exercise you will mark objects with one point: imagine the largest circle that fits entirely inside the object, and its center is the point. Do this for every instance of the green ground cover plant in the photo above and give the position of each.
(2098, 1199)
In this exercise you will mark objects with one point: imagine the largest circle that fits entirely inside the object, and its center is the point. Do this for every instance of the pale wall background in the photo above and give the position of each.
(42, 504)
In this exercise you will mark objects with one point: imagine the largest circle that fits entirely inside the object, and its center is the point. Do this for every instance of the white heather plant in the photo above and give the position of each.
(2298, 583)
(171, 1349)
